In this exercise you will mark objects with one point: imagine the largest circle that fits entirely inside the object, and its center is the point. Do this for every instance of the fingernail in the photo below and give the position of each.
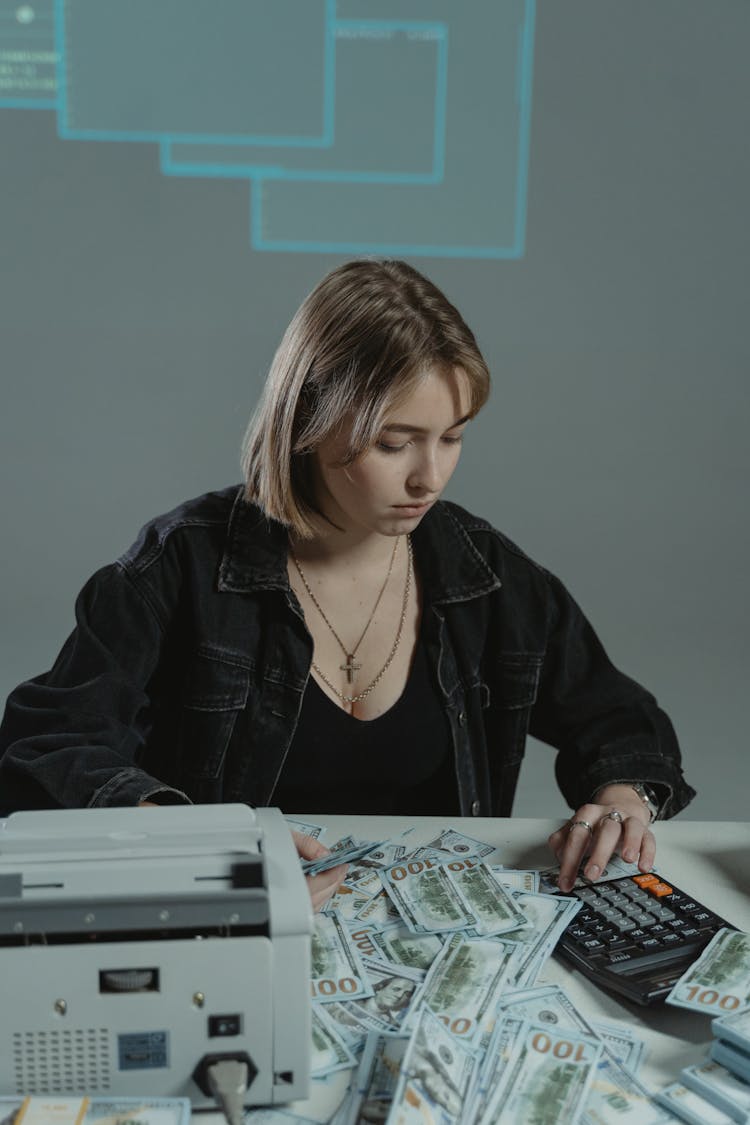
(628, 856)
(592, 871)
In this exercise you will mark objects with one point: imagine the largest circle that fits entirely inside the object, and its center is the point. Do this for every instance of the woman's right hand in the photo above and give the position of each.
(321, 886)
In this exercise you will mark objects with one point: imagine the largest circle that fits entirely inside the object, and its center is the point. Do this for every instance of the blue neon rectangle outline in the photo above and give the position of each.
(323, 141)
(30, 103)
(259, 172)
(515, 251)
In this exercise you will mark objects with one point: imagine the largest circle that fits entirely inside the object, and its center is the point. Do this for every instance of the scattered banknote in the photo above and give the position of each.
(362, 934)
(616, 1096)
(329, 1051)
(380, 909)
(547, 1078)
(305, 828)
(720, 1087)
(392, 990)
(449, 840)
(549, 1004)
(464, 983)
(517, 880)
(621, 1042)
(365, 879)
(691, 1107)
(719, 981)
(389, 853)
(347, 850)
(493, 908)
(376, 1078)
(425, 897)
(348, 901)
(397, 943)
(337, 970)
(548, 916)
(436, 1073)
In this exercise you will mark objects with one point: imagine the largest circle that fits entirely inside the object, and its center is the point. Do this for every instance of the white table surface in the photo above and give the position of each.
(708, 859)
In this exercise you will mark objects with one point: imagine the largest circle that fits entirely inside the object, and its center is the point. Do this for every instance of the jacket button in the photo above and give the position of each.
(461, 718)
(475, 808)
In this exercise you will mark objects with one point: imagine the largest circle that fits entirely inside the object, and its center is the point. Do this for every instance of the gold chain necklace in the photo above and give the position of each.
(349, 666)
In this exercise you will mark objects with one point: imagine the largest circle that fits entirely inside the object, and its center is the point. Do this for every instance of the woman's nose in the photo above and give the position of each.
(426, 475)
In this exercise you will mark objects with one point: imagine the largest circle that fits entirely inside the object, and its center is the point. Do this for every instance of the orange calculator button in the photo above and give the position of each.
(660, 889)
(645, 880)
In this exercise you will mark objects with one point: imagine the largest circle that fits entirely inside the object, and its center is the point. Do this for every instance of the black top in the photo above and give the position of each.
(398, 764)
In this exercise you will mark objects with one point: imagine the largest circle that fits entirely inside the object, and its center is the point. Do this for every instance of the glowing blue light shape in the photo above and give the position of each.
(203, 70)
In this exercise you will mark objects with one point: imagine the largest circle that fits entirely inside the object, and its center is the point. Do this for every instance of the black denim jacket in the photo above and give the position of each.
(185, 674)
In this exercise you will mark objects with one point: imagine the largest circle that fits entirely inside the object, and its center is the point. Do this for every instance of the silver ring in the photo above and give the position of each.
(613, 815)
(583, 823)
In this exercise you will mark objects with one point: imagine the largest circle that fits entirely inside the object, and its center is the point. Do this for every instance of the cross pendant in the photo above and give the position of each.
(350, 667)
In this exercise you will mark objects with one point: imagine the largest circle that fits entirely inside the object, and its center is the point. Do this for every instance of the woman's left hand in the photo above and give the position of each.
(618, 821)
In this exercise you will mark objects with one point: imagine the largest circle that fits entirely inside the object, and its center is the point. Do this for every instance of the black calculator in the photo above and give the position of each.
(636, 935)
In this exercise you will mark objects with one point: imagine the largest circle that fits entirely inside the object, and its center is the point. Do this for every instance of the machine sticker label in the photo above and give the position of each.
(143, 1050)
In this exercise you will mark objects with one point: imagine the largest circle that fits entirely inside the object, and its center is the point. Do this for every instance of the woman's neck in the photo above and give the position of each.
(359, 551)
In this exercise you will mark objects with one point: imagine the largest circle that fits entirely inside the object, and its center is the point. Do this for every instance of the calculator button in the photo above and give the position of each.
(580, 932)
(614, 943)
(690, 932)
(676, 923)
(660, 889)
(625, 925)
(670, 939)
(650, 943)
(645, 880)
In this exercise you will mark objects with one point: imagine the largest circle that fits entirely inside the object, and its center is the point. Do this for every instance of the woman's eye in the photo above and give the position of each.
(390, 448)
(455, 440)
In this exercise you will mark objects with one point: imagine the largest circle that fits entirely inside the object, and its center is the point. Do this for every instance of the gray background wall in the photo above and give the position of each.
(137, 325)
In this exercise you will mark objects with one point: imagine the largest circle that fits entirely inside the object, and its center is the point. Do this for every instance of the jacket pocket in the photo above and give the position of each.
(515, 682)
(216, 690)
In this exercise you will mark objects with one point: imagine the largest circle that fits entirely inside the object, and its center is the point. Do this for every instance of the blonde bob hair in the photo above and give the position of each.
(356, 347)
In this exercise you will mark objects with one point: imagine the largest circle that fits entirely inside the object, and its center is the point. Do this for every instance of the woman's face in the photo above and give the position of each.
(390, 487)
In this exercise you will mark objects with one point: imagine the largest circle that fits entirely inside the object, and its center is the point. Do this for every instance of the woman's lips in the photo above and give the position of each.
(412, 509)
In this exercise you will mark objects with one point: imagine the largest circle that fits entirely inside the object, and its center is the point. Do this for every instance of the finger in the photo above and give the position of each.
(632, 839)
(606, 838)
(572, 854)
(648, 851)
(308, 847)
(322, 886)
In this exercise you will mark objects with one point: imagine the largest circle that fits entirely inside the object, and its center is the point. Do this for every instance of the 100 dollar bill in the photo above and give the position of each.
(719, 981)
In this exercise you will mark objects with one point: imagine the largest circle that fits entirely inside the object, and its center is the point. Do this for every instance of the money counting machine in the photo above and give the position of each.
(139, 948)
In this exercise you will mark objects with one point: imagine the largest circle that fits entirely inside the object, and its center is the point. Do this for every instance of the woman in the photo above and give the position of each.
(333, 637)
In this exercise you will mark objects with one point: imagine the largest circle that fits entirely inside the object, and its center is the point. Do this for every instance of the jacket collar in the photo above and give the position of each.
(450, 566)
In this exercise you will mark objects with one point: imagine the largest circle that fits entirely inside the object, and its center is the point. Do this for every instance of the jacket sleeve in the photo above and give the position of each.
(71, 738)
(605, 726)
